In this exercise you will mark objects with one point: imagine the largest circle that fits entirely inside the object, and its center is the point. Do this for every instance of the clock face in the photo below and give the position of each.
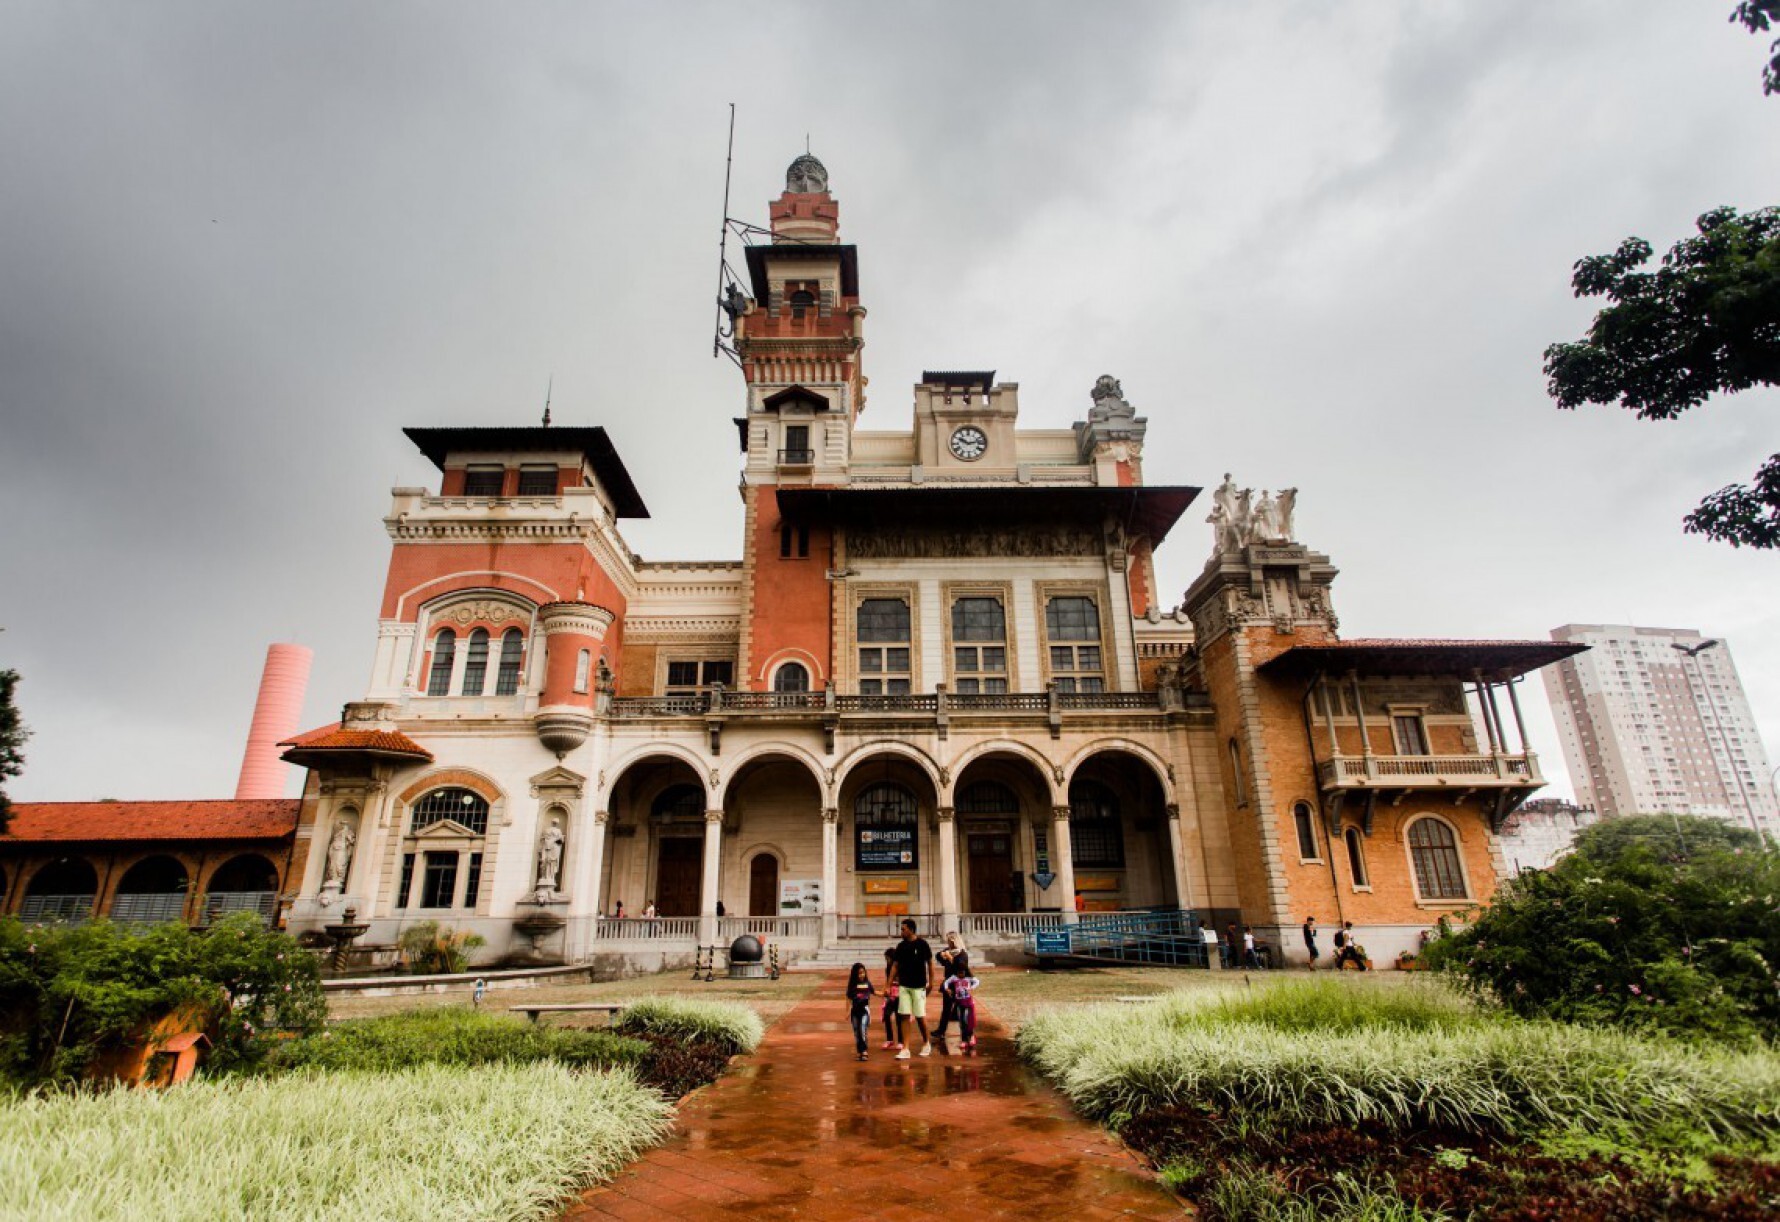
(969, 443)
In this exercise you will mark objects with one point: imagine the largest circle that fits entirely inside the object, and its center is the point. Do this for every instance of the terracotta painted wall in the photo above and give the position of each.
(791, 600)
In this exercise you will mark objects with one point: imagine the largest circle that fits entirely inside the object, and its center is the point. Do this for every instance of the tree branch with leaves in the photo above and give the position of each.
(12, 740)
(1705, 322)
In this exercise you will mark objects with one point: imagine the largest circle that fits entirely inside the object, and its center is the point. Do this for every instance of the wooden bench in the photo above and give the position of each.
(610, 1008)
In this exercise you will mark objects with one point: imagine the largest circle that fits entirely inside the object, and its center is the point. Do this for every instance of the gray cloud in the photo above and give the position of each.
(243, 245)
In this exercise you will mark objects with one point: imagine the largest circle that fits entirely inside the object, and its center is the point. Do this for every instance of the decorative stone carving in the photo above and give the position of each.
(806, 176)
(482, 611)
(549, 861)
(1238, 518)
(941, 543)
(1109, 399)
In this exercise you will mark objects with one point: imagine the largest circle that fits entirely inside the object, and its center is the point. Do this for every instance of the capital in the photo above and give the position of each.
(713, 816)
(831, 814)
(1061, 813)
(601, 818)
(946, 813)
(1173, 811)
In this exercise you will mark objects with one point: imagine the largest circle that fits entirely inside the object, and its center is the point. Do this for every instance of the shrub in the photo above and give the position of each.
(451, 1036)
(69, 993)
(1269, 1061)
(735, 1028)
(1656, 922)
(431, 950)
(435, 1142)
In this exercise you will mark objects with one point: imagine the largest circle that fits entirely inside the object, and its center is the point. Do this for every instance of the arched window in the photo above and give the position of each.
(60, 891)
(464, 807)
(476, 665)
(987, 798)
(1434, 851)
(151, 892)
(1096, 835)
(791, 677)
(885, 831)
(1302, 817)
(1356, 858)
(678, 803)
(802, 302)
(444, 652)
(506, 681)
(248, 883)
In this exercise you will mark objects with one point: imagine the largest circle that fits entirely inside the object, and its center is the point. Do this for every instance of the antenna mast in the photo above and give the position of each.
(548, 387)
(728, 298)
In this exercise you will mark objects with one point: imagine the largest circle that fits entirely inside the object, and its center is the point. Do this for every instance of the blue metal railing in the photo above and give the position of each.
(1170, 938)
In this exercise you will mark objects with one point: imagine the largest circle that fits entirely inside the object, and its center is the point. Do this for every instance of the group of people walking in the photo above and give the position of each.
(908, 978)
(1347, 950)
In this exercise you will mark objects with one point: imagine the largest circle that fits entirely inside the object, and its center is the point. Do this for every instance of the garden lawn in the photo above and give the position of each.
(1361, 1100)
(498, 1141)
(767, 998)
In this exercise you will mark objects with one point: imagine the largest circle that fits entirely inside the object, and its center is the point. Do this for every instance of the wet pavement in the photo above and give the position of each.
(803, 1130)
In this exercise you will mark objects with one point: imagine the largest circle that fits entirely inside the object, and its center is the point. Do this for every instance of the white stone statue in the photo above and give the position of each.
(340, 854)
(1283, 505)
(1264, 528)
(549, 858)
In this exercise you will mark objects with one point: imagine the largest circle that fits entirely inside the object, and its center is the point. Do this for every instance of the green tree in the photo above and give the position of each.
(12, 740)
(1657, 921)
(1707, 321)
(1758, 16)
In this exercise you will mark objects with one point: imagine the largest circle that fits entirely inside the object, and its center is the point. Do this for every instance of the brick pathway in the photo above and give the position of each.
(802, 1130)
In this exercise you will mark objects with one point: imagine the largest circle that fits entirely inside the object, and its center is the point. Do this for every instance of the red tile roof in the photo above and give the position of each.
(377, 742)
(203, 819)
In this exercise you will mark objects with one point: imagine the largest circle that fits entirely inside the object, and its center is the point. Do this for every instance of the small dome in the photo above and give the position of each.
(746, 949)
(806, 175)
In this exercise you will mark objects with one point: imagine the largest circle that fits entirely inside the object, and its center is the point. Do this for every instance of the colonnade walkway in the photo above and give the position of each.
(801, 1129)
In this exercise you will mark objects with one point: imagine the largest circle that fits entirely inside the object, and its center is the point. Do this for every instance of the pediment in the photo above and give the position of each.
(446, 829)
(558, 778)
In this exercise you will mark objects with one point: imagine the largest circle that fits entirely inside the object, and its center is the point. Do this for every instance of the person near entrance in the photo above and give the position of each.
(914, 976)
(954, 960)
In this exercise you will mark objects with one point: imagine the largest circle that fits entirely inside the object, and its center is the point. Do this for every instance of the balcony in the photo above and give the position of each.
(797, 458)
(1508, 780)
(829, 708)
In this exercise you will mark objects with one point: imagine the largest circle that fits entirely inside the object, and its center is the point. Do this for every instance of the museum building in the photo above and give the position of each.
(940, 681)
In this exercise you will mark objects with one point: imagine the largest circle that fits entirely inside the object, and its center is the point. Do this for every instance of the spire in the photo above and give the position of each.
(548, 387)
(806, 212)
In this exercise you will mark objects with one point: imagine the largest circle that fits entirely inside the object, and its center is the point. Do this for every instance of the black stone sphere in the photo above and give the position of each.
(746, 949)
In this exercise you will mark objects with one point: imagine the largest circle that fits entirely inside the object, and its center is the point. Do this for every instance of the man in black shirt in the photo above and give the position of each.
(914, 976)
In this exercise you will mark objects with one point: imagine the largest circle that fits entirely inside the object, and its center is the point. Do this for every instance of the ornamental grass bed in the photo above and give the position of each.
(435, 1142)
(1337, 1098)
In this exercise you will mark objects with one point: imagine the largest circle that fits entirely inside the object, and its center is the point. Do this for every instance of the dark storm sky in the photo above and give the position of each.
(241, 245)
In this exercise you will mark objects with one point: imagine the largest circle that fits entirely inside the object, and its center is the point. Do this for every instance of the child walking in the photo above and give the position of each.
(962, 991)
(890, 992)
(859, 994)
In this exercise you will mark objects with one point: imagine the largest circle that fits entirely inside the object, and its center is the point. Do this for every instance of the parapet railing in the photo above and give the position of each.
(719, 701)
(1360, 770)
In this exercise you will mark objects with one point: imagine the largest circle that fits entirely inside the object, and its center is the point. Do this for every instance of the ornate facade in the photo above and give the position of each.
(939, 680)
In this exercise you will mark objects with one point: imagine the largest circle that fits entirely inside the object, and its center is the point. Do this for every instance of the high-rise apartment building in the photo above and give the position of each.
(1654, 720)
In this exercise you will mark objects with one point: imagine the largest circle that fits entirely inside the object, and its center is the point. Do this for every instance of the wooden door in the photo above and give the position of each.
(679, 868)
(763, 885)
(991, 871)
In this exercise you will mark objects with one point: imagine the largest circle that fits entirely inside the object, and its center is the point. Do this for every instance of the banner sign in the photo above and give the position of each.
(1051, 941)
(1044, 878)
(800, 897)
(885, 848)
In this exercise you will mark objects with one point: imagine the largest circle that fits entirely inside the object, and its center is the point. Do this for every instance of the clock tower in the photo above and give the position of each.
(964, 422)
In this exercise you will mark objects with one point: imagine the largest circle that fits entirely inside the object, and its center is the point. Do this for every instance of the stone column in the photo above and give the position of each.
(585, 901)
(1063, 859)
(1183, 886)
(831, 873)
(948, 869)
(707, 906)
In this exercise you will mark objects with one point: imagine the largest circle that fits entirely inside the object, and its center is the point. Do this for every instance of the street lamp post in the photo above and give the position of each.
(1692, 653)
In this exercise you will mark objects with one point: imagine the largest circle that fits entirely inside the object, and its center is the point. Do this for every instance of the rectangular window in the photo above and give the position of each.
(685, 677)
(1301, 815)
(583, 669)
(1074, 667)
(979, 650)
(794, 542)
(484, 481)
(882, 628)
(473, 887)
(537, 481)
(407, 885)
(438, 883)
(1410, 734)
